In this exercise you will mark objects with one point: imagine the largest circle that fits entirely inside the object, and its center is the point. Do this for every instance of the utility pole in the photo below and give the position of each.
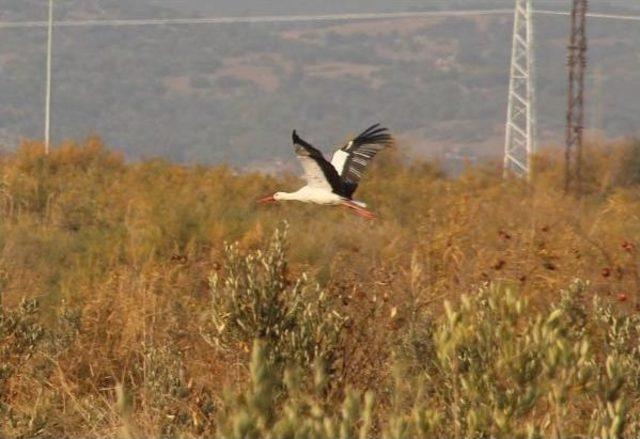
(575, 113)
(520, 129)
(596, 121)
(47, 110)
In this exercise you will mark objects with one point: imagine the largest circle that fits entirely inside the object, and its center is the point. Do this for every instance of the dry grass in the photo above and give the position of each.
(107, 311)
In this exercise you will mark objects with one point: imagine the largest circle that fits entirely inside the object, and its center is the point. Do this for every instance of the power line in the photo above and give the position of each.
(293, 18)
(248, 20)
(593, 15)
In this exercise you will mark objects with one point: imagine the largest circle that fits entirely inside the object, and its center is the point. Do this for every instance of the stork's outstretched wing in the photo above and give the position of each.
(318, 172)
(352, 159)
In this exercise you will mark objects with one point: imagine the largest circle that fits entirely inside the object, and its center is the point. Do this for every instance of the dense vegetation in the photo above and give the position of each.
(153, 299)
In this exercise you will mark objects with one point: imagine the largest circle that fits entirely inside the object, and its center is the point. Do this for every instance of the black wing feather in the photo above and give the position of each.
(353, 158)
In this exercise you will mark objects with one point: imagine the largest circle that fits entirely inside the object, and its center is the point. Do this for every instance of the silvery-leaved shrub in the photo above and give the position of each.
(20, 335)
(496, 363)
(256, 298)
(301, 411)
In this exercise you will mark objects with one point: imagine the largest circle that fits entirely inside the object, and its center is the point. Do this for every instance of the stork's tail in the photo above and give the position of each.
(359, 203)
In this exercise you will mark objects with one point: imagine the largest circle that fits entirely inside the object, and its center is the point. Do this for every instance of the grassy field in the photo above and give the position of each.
(151, 299)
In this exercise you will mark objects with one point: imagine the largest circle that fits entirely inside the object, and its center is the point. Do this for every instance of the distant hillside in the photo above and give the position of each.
(233, 93)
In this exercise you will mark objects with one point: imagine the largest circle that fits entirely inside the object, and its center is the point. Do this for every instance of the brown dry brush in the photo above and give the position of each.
(155, 300)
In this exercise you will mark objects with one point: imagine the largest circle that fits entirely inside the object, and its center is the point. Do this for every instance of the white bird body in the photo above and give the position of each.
(333, 183)
(307, 194)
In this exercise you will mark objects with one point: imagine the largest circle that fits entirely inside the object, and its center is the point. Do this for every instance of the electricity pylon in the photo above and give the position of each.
(575, 112)
(520, 132)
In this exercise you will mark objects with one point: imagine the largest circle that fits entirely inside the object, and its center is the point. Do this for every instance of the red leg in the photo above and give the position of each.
(359, 210)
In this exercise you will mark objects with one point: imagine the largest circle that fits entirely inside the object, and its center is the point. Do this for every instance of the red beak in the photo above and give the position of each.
(267, 199)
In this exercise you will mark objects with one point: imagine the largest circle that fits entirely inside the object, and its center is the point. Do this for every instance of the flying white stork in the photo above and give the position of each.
(334, 183)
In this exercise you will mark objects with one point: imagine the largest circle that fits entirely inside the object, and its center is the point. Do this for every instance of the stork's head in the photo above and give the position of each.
(271, 198)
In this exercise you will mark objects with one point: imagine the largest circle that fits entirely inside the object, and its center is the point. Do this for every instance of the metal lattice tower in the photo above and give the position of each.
(575, 112)
(520, 133)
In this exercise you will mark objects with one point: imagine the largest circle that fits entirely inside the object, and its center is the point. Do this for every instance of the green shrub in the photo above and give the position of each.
(21, 332)
(499, 368)
(255, 299)
(304, 412)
